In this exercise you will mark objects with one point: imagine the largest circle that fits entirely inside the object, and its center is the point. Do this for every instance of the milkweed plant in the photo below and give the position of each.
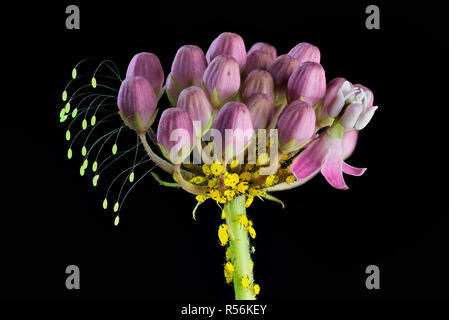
(241, 125)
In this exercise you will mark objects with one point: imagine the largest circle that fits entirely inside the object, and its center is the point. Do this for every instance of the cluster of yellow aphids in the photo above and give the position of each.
(238, 180)
(229, 269)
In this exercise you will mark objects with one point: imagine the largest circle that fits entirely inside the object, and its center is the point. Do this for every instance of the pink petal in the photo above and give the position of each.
(353, 171)
(311, 159)
(332, 167)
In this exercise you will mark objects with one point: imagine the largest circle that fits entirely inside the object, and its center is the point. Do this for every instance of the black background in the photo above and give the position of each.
(316, 248)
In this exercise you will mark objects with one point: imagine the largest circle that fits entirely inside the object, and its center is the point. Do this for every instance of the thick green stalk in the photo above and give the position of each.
(239, 244)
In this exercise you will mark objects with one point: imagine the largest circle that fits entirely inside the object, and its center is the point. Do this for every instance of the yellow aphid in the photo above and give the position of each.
(248, 201)
(245, 282)
(244, 220)
(223, 235)
(200, 198)
(250, 223)
(229, 267)
(229, 272)
(229, 194)
(228, 254)
(212, 183)
(262, 159)
(290, 179)
(206, 169)
(252, 232)
(175, 177)
(215, 194)
(197, 180)
(216, 168)
(231, 180)
(251, 264)
(223, 199)
(242, 187)
(256, 289)
(246, 176)
(234, 164)
(271, 180)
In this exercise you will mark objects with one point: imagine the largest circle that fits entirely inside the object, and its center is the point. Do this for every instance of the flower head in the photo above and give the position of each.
(137, 103)
(234, 123)
(257, 60)
(187, 70)
(258, 81)
(264, 47)
(307, 83)
(261, 109)
(175, 134)
(296, 125)
(221, 79)
(194, 101)
(305, 52)
(147, 65)
(230, 44)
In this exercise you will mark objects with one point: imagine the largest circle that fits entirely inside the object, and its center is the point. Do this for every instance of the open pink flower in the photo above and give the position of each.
(326, 153)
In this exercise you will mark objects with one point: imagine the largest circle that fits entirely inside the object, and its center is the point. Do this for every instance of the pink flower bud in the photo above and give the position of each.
(258, 81)
(308, 83)
(188, 67)
(221, 79)
(230, 44)
(296, 125)
(281, 69)
(257, 60)
(234, 123)
(305, 52)
(261, 109)
(265, 47)
(194, 101)
(175, 134)
(137, 103)
(147, 65)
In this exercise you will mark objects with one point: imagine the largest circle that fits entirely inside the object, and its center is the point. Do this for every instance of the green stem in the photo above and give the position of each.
(239, 244)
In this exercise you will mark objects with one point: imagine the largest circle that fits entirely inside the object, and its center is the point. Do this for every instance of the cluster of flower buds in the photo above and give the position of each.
(235, 97)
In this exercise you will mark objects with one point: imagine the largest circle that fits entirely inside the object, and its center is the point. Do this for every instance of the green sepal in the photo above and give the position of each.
(170, 97)
(164, 183)
(272, 198)
(194, 210)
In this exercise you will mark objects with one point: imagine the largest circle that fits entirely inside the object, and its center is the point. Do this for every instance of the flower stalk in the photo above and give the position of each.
(240, 250)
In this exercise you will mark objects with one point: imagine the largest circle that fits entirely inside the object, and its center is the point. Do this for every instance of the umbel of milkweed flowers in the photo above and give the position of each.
(261, 122)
